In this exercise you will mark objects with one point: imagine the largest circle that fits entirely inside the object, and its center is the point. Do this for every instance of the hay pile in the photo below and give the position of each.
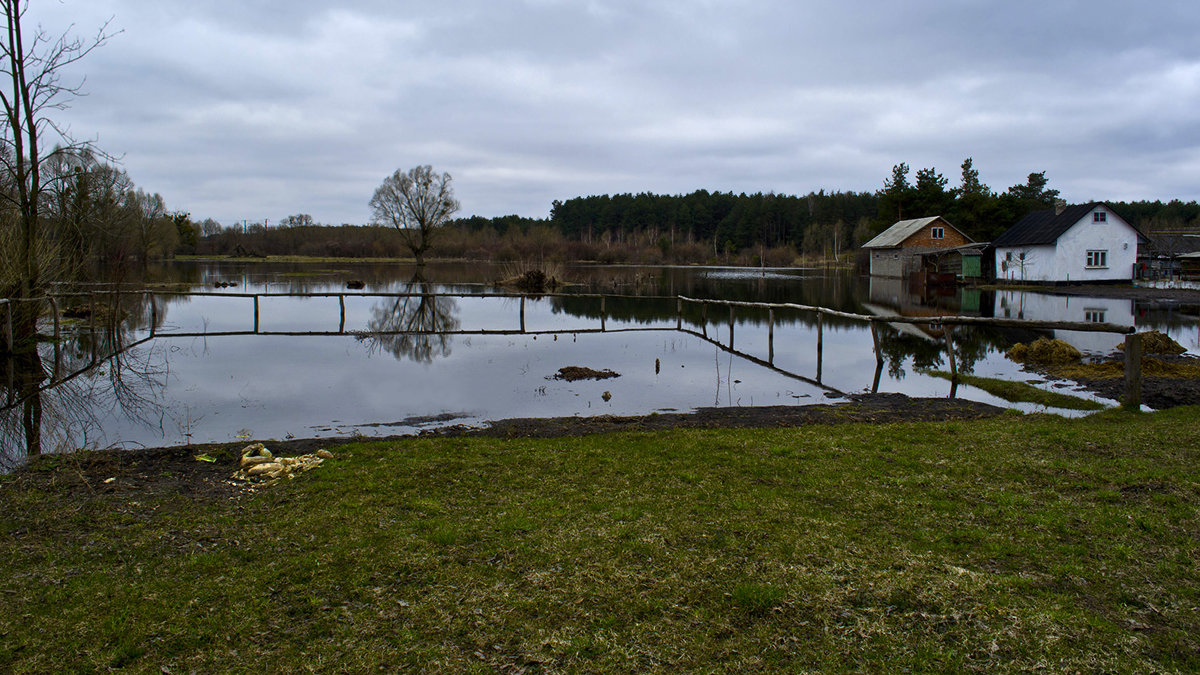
(1043, 352)
(1154, 342)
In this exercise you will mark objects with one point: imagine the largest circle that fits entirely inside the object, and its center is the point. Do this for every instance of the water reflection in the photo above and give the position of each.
(414, 326)
(53, 415)
(227, 378)
(1043, 307)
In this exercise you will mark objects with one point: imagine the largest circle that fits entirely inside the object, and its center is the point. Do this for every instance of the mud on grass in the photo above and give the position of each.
(1168, 380)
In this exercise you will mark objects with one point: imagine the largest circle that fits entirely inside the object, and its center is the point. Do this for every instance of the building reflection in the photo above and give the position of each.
(1044, 307)
(925, 343)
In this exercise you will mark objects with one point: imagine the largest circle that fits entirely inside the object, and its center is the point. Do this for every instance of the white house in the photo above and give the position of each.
(1083, 243)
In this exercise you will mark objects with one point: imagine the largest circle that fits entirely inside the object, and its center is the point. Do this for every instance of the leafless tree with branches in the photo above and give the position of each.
(417, 203)
(33, 87)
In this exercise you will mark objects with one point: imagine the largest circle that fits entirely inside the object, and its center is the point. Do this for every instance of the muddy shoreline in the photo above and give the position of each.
(1184, 296)
(178, 469)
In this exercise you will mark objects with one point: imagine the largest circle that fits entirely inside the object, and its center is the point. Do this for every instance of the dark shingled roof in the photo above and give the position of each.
(1044, 227)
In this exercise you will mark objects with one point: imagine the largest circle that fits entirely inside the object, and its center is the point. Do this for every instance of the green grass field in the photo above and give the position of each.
(1015, 543)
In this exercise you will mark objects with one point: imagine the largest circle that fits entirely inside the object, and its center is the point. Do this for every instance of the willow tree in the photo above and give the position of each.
(417, 202)
(33, 65)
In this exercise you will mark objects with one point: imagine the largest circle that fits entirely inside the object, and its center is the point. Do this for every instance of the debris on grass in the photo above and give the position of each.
(258, 464)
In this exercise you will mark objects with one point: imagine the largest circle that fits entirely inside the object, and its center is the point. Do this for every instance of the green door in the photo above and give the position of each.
(972, 266)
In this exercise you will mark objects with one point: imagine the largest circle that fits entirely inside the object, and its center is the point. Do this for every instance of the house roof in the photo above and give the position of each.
(965, 249)
(1045, 227)
(898, 232)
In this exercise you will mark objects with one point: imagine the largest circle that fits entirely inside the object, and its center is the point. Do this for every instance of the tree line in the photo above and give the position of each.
(702, 226)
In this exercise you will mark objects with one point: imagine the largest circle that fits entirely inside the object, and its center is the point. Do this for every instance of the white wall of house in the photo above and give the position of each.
(1112, 243)
(1025, 263)
(887, 262)
(1114, 237)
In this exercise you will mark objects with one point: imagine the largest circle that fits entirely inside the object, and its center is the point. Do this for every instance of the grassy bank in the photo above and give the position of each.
(1016, 543)
(1022, 392)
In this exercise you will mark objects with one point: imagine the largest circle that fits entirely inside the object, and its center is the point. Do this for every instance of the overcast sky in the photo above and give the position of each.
(244, 109)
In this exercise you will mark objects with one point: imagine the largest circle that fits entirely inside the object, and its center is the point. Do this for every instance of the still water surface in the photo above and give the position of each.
(392, 365)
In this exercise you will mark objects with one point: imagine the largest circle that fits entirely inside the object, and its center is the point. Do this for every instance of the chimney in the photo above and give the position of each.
(1060, 205)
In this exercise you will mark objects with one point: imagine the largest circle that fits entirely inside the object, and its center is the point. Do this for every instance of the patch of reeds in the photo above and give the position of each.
(532, 277)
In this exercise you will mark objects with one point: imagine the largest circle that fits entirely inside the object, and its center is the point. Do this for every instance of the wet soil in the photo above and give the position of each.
(1158, 393)
(177, 471)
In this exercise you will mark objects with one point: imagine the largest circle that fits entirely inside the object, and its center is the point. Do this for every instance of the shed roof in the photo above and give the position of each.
(1045, 227)
(898, 232)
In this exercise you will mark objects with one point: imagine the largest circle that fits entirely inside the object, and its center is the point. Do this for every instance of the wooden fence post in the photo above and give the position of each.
(678, 314)
(878, 357)
(771, 336)
(949, 333)
(153, 314)
(1133, 372)
(731, 326)
(255, 312)
(821, 344)
(342, 307)
(603, 313)
(704, 318)
(523, 314)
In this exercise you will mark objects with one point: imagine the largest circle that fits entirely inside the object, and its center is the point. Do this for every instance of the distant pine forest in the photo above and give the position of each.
(701, 227)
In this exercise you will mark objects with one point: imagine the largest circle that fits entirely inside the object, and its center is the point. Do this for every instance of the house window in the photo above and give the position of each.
(1099, 217)
(938, 232)
(1097, 259)
(1093, 315)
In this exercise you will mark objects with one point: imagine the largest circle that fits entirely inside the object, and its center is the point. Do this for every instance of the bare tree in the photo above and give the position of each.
(33, 67)
(416, 203)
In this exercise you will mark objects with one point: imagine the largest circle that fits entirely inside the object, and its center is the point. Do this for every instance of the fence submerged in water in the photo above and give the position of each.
(684, 322)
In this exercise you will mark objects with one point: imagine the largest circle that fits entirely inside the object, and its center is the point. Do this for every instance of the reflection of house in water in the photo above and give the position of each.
(910, 297)
(1045, 307)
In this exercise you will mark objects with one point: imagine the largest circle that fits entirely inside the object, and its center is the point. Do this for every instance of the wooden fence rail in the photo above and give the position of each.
(1133, 341)
(1133, 346)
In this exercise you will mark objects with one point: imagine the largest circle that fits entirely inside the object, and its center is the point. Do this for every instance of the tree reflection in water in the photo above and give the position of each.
(927, 347)
(53, 397)
(412, 326)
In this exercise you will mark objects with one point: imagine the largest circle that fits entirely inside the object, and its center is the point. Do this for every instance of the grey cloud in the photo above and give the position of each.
(261, 109)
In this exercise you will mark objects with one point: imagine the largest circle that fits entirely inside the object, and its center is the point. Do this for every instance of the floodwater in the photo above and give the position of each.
(409, 351)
